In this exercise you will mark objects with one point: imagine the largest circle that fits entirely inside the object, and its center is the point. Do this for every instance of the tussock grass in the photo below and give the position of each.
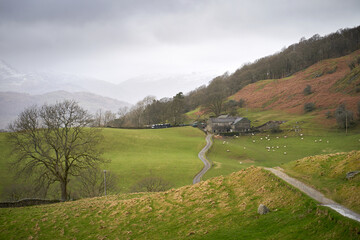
(327, 173)
(220, 208)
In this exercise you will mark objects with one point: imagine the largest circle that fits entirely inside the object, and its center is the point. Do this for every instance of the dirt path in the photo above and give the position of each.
(318, 196)
(202, 157)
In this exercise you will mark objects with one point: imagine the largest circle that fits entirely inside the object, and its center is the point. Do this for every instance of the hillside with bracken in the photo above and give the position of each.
(332, 82)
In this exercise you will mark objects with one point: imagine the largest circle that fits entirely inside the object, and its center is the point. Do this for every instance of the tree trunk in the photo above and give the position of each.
(63, 185)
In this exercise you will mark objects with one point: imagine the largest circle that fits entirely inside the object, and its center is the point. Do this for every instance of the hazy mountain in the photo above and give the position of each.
(131, 90)
(12, 103)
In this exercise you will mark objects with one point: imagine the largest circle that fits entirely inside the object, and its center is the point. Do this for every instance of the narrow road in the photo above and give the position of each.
(202, 157)
(318, 196)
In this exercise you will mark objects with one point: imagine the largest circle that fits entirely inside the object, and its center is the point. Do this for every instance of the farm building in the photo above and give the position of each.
(269, 125)
(226, 123)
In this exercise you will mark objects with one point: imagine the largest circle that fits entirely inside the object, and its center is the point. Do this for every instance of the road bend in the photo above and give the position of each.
(202, 157)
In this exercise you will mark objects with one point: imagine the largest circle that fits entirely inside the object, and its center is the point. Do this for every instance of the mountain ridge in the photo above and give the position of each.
(12, 103)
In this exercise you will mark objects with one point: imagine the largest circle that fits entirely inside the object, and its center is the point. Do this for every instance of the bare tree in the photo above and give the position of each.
(98, 119)
(91, 182)
(151, 184)
(108, 117)
(54, 143)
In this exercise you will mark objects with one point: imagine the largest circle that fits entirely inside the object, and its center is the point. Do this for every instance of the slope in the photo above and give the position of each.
(332, 82)
(135, 154)
(327, 173)
(220, 208)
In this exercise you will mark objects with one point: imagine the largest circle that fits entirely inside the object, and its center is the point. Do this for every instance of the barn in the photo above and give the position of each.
(226, 123)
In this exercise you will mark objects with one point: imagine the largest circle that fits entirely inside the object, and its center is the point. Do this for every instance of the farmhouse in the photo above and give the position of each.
(226, 123)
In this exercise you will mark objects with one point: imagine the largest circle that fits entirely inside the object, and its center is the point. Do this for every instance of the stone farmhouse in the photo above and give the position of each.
(226, 123)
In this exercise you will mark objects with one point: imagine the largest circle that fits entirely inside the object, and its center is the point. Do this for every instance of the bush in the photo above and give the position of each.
(307, 90)
(309, 107)
(151, 184)
(328, 114)
(276, 129)
(344, 117)
(352, 65)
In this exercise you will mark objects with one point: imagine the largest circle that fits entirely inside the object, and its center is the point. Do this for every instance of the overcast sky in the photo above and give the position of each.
(115, 40)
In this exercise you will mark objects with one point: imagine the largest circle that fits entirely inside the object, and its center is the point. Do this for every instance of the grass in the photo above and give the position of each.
(243, 152)
(220, 208)
(327, 174)
(168, 153)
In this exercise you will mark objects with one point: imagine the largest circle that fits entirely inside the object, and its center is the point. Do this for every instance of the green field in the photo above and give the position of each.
(243, 152)
(221, 208)
(168, 153)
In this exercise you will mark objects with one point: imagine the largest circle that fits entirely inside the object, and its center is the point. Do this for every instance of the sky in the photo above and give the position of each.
(116, 40)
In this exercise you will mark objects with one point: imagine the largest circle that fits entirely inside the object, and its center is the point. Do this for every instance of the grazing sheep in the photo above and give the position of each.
(284, 153)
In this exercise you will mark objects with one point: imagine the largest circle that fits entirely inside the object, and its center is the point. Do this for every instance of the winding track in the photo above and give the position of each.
(318, 196)
(202, 157)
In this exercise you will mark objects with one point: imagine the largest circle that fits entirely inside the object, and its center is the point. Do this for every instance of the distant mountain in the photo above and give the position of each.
(131, 90)
(12, 103)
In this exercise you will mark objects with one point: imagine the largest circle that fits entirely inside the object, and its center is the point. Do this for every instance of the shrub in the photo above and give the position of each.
(276, 129)
(328, 114)
(344, 117)
(307, 90)
(308, 107)
(151, 184)
(352, 65)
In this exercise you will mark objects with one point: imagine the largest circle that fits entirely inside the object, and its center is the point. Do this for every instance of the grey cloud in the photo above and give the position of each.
(77, 34)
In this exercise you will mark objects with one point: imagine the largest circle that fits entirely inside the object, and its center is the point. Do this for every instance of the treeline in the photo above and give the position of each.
(211, 98)
(285, 63)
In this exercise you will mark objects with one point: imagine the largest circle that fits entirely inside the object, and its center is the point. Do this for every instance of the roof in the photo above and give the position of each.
(227, 119)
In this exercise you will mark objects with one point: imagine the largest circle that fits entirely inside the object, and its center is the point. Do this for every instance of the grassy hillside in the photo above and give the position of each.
(332, 82)
(168, 153)
(220, 208)
(245, 151)
(327, 174)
